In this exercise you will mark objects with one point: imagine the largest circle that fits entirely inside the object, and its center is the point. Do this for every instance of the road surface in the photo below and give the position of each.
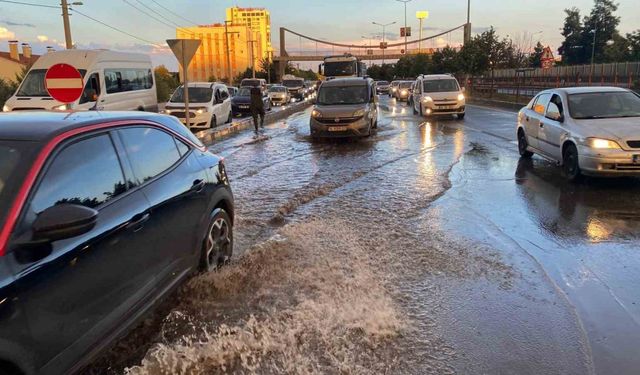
(428, 248)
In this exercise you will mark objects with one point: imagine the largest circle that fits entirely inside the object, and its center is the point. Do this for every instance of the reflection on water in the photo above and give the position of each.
(600, 209)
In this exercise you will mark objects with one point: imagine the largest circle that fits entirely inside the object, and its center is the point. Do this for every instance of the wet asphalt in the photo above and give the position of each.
(548, 282)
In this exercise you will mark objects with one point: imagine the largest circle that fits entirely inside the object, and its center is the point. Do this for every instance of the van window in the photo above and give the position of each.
(33, 83)
(127, 79)
(92, 85)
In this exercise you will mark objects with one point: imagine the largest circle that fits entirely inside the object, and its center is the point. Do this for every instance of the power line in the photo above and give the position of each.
(113, 28)
(30, 4)
(155, 18)
(174, 13)
(178, 27)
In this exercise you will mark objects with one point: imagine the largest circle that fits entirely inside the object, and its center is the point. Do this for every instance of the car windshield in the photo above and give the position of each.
(604, 105)
(293, 83)
(383, 83)
(196, 95)
(244, 91)
(330, 95)
(12, 155)
(250, 82)
(33, 83)
(441, 85)
(278, 89)
(406, 85)
(337, 69)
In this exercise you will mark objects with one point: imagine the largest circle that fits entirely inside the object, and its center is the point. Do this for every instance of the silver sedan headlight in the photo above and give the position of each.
(599, 143)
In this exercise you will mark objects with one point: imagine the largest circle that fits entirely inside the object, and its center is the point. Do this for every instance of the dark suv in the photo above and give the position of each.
(101, 216)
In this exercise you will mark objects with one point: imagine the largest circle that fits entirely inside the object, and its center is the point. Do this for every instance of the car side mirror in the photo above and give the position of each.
(64, 221)
(555, 116)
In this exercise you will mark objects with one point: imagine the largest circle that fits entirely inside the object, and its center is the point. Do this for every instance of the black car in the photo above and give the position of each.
(101, 216)
(241, 102)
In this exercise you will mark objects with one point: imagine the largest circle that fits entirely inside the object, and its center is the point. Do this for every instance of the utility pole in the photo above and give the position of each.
(67, 25)
(593, 49)
(405, 24)
(226, 38)
(253, 60)
(384, 30)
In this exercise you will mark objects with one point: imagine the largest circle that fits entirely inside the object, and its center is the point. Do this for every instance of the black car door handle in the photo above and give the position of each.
(198, 185)
(137, 222)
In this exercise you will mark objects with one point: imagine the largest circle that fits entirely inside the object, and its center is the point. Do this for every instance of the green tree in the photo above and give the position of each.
(600, 26)
(446, 60)
(633, 41)
(165, 83)
(572, 50)
(535, 59)
(6, 90)
(212, 78)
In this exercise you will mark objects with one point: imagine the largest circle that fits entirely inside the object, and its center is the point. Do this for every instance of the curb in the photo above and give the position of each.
(210, 135)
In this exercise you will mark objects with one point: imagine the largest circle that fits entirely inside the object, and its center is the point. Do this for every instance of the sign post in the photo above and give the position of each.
(547, 60)
(64, 83)
(184, 50)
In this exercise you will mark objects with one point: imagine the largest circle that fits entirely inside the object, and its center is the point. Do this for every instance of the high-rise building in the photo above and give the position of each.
(211, 57)
(259, 20)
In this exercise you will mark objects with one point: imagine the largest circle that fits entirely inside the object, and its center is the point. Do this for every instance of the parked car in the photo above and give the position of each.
(113, 81)
(404, 91)
(345, 107)
(587, 130)
(209, 105)
(382, 87)
(241, 103)
(279, 95)
(101, 216)
(438, 94)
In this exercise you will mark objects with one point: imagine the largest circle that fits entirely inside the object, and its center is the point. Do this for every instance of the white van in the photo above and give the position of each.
(112, 81)
(209, 105)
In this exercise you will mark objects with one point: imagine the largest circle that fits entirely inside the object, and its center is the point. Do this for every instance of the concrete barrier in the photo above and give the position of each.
(495, 103)
(210, 135)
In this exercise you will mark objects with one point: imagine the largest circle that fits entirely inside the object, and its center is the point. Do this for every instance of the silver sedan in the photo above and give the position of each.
(586, 130)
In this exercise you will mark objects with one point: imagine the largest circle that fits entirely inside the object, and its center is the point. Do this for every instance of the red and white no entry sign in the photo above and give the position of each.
(64, 83)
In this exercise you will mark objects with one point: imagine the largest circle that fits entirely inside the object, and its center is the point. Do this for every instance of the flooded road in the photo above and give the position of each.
(428, 248)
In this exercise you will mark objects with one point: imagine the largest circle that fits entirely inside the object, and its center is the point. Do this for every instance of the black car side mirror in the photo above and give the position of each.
(64, 221)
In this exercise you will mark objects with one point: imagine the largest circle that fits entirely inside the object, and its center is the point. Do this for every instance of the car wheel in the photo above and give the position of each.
(571, 164)
(214, 122)
(461, 116)
(218, 243)
(413, 106)
(522, 145)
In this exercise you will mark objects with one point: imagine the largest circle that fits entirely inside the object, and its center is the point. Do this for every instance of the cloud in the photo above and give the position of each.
(11, 23)
(6, 34)
(42, 38)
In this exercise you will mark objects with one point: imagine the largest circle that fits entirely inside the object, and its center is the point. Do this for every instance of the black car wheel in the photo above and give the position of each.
(571, 164)
(218, 244)
(214, 122)
(461, 116)
(522, 145)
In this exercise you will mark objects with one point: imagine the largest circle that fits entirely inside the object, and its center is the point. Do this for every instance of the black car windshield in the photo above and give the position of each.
(12, 169)
(383, 83)
(33, 83)
(250, 82)
(604, 105)
(292, 83)
(196, 95)
(244, 91)
(337, 69)
(330, 95)
(441, 85)
(278, 89)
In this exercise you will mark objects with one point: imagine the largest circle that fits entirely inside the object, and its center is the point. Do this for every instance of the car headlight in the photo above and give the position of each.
(167, 111)
(427, 99)
(200, 111)
(6, 108)
(63, 107)
(460, 97)
(316, 114)
(394, 89)
(599, 143)
(358, 113)
(404, 92)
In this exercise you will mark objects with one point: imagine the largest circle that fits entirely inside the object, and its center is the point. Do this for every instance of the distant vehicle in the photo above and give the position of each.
(102, 215)
(438, 94)
(393, 88)
(403, 91)
(253, 82)
(209, 105)
(345, 107)
(241, 103)
(310, 86)
(295, 86)
(342, 66)
(232, 91)
(113, 81)
(279, 95)
(587, 130)
(382, 87)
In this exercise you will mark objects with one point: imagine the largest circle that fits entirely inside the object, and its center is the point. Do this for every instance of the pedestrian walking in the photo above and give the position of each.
(257, 107)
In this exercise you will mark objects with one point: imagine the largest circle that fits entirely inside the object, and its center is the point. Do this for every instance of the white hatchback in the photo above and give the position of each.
(209, 105)
(438, 94)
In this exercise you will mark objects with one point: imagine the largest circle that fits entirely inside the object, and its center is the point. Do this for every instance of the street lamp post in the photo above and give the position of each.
(405, 23)
(67, 24)
(369, 41)
(421, 15)
(384, 30)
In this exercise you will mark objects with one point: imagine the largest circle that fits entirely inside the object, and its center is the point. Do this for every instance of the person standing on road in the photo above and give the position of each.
(257, 107)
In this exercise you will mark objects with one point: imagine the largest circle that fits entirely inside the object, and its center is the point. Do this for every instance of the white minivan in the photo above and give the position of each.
(113, 81)
(209, 105)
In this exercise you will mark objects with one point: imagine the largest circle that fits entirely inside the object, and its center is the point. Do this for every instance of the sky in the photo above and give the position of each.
(334, 20)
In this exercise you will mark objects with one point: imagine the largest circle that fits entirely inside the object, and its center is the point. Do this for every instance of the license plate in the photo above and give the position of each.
(336, 128)
(446, 107)
(636, 159)
(244, 106)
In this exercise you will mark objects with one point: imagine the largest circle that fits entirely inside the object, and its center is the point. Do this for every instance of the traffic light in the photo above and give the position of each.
(408, 31)
(405, 31)
(402, 33)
